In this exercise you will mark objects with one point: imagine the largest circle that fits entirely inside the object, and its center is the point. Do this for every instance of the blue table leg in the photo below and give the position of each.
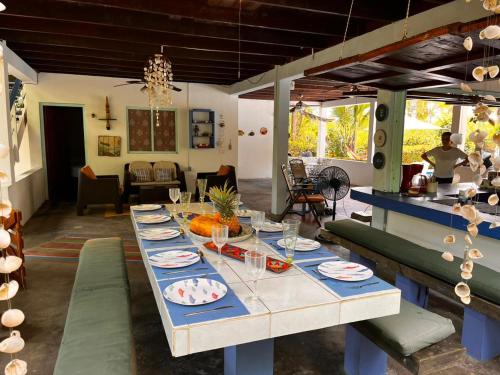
(356, 258)
(412, 291)
(480, 335)
(362, 357)
(250, 359)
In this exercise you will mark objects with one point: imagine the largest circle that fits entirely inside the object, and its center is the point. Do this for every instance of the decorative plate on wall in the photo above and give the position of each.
(379, 138)
(263, 130)
(241, 132)
(381, 112)
(251, 134)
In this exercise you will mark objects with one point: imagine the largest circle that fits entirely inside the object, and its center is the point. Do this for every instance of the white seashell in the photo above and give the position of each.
(469, 212)
(493, 200)
(449, 239)
(462, 289)
(495, 225)
(456, 138)
(456, 178)
(478, 220)
(489, 4)
(496, 138)
(465, 300)
(4, 238)
(493, 71)
(490, 32)
(496, 163)
(475, 254)
(465, 87)
(496, 182)
(8, 290)
(12, 318)
(477, 179)
(467, 266)
(478, 73)
(447, 256)
(482, 169)
(468, 240)
(472, 229)
(475, 157)
(490, 98)
(471, 193)
(468, 43)
(466, 275)
(473, 167)
(10, 264)
(16, 367)
(4, 151)
(12, 344)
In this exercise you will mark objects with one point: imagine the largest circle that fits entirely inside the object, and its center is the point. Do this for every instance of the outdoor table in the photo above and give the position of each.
(290, 302)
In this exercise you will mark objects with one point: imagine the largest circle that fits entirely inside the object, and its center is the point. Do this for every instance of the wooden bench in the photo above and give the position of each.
(97, 336)
(417, 269)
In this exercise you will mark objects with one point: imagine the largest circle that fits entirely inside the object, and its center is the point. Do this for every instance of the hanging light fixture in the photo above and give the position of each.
(158, 76)
(2, 7)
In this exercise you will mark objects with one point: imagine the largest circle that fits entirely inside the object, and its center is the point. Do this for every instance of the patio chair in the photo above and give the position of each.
(94, 189)
(298, 195)
(298, 170)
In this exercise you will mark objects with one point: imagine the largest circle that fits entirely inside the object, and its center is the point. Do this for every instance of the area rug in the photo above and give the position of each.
(69, 248)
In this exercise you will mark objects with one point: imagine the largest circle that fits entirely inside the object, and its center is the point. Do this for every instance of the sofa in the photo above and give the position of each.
(94, 189)
(151, 174)
(218, 178)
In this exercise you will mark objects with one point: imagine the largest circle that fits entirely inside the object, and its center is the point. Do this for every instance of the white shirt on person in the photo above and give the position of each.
(445, 160)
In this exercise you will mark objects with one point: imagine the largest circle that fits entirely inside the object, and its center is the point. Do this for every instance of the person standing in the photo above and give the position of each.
(446, 159)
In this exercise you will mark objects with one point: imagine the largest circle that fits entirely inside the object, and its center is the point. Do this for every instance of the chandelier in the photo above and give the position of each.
(158, 76)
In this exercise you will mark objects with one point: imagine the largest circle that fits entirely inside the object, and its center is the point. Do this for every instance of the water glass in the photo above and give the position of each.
(202, 187)
(255, 264)
(174, 194)
(290, 234)
(257, 221)
(185, 202)
(238, 200)
(220, 234)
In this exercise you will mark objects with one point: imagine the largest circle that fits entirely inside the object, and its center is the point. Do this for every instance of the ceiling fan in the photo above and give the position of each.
(300, 106)
(142, 82)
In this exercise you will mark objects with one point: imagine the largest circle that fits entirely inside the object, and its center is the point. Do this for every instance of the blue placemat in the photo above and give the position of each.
(198, 268)
(299, 255)
(160, 211)
(268, 235)
(177, 241)
(177, 312)
(347, 288)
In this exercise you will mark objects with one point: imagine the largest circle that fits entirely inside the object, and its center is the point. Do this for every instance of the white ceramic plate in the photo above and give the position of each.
(240, 204)
(146, 207)
(303, 244)
(272, 227)
(159, 234)
(246, 232)
(345, 271)
(193, 292)
(243, 213)
(152, 219)
(174, 259)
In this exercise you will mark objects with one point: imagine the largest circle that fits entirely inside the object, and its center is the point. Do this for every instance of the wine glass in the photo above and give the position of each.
(290, 233)
(255, 264)
(185, 202)
(202, 187)
(220, 235)
(257, 221)
(238, 200)
(174, 194)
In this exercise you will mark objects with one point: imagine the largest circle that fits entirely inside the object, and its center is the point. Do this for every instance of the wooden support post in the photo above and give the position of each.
(6, 164)
(362, 357)
(412, 291)
(250, 359)
(480, 335)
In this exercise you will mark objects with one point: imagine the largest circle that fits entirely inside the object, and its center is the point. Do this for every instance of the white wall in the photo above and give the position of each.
(91, 92)
(28, 193)
(255, 154)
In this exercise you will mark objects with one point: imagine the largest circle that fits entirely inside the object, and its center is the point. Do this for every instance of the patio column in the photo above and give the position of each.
(6, 163)
(320, 152)
(388, 177)
(459, 123)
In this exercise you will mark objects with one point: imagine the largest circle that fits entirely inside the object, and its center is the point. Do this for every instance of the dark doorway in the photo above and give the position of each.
(64, 150)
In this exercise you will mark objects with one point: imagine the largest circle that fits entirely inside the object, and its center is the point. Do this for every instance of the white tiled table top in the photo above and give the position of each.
(289, 302)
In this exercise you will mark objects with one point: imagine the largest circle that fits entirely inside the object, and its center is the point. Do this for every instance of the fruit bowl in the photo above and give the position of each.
(246, 232)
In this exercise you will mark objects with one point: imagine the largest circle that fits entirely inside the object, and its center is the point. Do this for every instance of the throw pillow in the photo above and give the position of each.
(142, 175)
(88, 172)
(224, 170)
(163, 174)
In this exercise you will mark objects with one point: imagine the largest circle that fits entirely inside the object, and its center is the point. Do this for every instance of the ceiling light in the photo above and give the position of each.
(2, 7)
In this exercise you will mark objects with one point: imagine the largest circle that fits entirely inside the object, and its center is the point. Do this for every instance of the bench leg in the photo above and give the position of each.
(411, 291)
(480, 335)
(250, 359)
(356, 258)
(362, 357)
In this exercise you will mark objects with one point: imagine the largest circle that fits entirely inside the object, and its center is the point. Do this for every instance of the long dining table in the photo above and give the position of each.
(290, 302)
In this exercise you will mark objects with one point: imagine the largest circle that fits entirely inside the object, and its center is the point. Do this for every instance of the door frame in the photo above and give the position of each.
(42, 135)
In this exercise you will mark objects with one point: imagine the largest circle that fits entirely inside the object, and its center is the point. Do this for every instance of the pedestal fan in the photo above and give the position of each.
(333, 184)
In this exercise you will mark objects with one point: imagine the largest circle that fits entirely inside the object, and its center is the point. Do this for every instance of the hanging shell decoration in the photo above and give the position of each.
(449, 239)
(493, 71)
(493, 199)
(479, 72)
(12, 318)
(465, 87)
(490, 32)
(475, 254)
(468, 240)
(12, 344)
(448, 256)
(16, 367)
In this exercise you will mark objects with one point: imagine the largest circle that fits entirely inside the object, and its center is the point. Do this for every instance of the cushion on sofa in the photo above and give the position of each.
(485, 283)
(414, 328)
(224, 170)
(163, 174)
(156, 183)
(88, 172)
(165, 165)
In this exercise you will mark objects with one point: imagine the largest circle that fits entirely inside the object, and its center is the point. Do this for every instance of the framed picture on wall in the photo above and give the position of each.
(145, 135)
(109, 145)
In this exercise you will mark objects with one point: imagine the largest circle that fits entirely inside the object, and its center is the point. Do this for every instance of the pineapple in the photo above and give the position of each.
(226, 204)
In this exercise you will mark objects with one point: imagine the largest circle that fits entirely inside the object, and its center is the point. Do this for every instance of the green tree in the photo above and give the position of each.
(303, 132)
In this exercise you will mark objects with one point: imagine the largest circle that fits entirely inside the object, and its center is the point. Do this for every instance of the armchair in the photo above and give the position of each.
(225, 173)
(98, 190)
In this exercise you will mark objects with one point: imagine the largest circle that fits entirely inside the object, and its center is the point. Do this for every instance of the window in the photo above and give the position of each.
(347, 132)
(303, 131)
(145, 136)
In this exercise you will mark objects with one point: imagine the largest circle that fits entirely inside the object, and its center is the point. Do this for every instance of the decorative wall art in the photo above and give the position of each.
(263, 130)
(145, 134)
(241, 133)
(108, 145)
(251, 133)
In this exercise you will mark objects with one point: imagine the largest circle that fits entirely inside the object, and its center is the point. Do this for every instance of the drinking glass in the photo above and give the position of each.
(185, 202)
(257, 221)
(174, 194)
(290, 233)
(238, 200)
(202, 187)
(255, 264)
(220, 234)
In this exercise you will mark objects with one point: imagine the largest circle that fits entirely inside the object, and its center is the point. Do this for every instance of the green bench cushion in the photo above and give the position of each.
(102, 265)
(97, 336)
(411, 330)
(485, 283)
